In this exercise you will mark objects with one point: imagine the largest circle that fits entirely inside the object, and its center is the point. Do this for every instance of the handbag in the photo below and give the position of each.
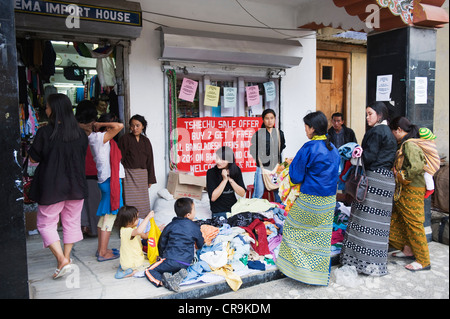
(270, 178)
(152, 241)
(357, 184)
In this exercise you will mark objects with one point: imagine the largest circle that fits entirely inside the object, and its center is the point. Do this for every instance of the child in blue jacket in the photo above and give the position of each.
(176, 247)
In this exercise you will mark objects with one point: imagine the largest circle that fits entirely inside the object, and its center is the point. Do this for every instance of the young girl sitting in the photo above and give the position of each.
(132, 258)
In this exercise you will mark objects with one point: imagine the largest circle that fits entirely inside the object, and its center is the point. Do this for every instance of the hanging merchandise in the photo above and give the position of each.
(106, 71)
(74, 72)
(84, 51)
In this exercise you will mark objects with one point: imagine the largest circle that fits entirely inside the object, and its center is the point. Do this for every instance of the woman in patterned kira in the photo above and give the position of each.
(366, 239)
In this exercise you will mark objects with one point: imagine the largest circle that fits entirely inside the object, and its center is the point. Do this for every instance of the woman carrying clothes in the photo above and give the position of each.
(137, 159)
(223, 181)
(305, 250)
(366, 239)
(408, 215)
(110, 172)
(266, 147)
(59, 185)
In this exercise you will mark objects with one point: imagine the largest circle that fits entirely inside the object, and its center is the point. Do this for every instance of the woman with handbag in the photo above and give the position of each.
(59, 185)
(305, 250)
(408, 215)
(266, 146)
(366, 239)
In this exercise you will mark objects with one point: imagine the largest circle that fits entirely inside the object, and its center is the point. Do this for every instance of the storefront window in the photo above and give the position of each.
(210, 111)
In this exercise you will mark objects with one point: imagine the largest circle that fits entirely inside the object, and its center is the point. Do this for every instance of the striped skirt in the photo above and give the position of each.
(407, 220)
(136, 190)
(366, 239)
(305, 250)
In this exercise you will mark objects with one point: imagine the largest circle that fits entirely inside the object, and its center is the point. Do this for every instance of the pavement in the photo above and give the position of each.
(90, 279)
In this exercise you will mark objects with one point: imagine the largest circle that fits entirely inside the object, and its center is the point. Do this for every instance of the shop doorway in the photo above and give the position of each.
(332, 71)
(81, 70)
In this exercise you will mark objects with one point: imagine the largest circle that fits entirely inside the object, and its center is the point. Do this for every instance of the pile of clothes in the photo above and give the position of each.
(340, 222)
(247, 240)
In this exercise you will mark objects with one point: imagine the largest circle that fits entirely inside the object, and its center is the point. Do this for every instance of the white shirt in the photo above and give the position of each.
(101, 155)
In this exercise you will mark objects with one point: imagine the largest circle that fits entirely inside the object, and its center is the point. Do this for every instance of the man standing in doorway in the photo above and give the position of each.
(339, 133)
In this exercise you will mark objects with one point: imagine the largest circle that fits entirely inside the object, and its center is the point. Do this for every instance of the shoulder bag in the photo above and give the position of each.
(270, 178)
(357, 183)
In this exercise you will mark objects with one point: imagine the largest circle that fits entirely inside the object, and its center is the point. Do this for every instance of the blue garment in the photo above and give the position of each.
(258, 186)
(316, 168)
(178, 238)
(104, 207)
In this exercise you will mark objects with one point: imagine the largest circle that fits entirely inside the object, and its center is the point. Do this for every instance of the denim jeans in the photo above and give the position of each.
(258, 186)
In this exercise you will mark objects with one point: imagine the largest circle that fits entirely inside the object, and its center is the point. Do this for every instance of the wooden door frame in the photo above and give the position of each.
(346, 56)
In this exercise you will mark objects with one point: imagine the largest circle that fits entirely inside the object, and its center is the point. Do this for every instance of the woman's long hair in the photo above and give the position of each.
(318, 121)
(62, 119)
(226, 153)
(412, 131)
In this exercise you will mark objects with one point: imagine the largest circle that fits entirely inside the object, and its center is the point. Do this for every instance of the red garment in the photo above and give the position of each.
(337, 236)
(257, 230)
(91, 168)
(347, 166)
(114, 157)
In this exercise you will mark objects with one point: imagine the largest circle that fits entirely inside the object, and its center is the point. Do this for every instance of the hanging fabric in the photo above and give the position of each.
(84, 51)
(172, 80)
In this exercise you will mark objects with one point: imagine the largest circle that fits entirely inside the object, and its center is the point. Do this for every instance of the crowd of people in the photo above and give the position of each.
(86, 174)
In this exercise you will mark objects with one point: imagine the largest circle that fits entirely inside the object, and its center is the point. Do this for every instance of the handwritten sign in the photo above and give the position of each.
(252, 95)
(229, 97)
(269, 87)
(199, 138)
(212, 94)
(188, 90)
(421, 90)
(384, 87)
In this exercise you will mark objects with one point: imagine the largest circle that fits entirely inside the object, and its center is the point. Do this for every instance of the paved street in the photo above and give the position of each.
(398, 284)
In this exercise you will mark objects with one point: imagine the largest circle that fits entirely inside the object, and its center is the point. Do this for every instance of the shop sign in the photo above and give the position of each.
(81, 11)
(197, 140)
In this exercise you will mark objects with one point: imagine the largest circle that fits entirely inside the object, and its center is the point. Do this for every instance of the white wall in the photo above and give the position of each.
(146, 80)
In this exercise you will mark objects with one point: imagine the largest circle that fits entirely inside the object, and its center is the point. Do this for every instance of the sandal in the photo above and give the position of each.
(100, 258)
(401, 254)
(114, 250)
(417, 267)
(61, 272)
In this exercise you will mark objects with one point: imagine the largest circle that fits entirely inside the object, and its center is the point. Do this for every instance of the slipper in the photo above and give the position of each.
(61, 272)
(114, 250)
(400, 254)
(418, 267)
(123, 273)
(100, 258)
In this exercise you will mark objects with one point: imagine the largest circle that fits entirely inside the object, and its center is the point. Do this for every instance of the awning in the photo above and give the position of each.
(211, 47)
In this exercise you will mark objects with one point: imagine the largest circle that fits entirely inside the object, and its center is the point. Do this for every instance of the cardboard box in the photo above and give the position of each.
(184, 185)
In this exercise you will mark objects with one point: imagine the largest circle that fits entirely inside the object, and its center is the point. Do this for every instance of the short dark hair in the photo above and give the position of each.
(183, 206)
(338, 114)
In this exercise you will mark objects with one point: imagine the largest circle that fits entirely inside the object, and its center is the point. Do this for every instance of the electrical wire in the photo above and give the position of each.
(226, 24)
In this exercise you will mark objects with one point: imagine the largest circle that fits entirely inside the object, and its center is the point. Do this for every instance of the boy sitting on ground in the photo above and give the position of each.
(176, 247)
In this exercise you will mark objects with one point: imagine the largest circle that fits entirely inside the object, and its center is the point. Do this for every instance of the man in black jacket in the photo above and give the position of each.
(339, 133)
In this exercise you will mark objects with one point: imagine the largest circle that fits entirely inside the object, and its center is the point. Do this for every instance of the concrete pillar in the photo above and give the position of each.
(13, 255)
(409, 54)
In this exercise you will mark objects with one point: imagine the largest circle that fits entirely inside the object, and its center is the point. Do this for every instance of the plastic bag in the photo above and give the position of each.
(347, 276)
(152, 242)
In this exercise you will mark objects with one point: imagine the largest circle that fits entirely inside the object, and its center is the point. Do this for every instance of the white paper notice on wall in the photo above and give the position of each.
(420, 90)
(384, 87)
